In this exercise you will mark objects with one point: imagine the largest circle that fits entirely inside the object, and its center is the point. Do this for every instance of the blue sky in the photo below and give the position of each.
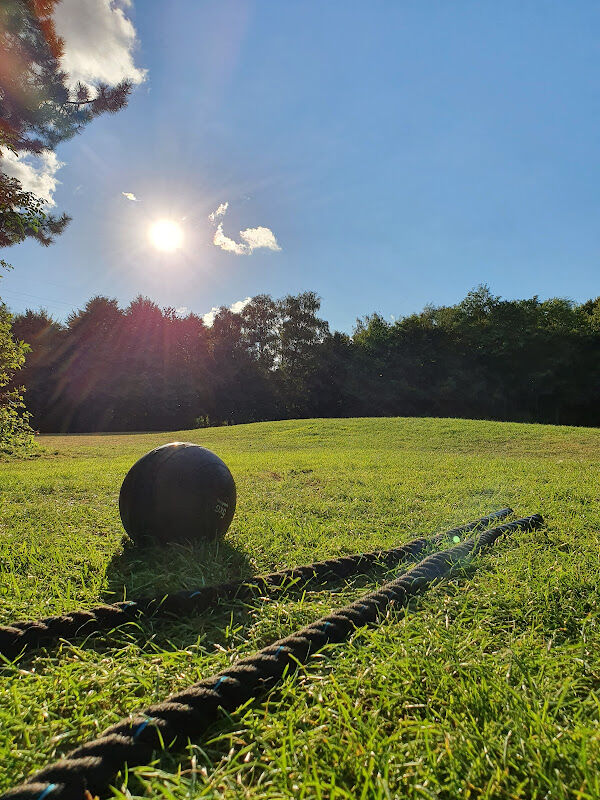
(400, 152)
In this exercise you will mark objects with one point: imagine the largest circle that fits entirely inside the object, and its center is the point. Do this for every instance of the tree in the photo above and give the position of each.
(331, 390)
(23, 215)
(88, 362)
(41, 373)
(15, 434)
(236, 377)
(189, 389)
(260, 329)
(147, 368)
(38, 109)
(300, 333)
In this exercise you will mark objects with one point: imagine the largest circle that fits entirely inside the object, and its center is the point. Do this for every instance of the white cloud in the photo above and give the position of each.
(236, 307)
(35, 173)
(227, 244)
(182, 311)
(130, 196)
(209, 317)
(252, 238)
(99, 41)
(239, 305)
(259, 237)
(220, 212)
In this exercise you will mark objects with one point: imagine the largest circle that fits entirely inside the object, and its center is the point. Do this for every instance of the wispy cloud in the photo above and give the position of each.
(220, 212)
(100, 41)
(130, 196)
(236, 307)
(252, 238)
(36, 173)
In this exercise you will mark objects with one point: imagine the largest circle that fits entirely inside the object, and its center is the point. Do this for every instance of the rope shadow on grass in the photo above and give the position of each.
(186, 604)
(213, 626)
(135, 574)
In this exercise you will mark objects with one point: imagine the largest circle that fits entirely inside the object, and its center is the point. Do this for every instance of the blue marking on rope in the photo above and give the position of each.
(139, 729)
(327, 624)
(50, 788)
(194, 594)
(220, 681)
(280, 648)
(130, 603)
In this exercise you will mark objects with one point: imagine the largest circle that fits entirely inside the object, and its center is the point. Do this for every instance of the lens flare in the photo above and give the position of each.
(166, 235)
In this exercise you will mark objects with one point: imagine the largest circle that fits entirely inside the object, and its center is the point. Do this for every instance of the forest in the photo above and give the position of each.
(138, 368)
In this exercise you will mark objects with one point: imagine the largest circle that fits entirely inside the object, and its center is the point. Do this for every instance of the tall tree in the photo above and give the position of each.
(300, 333)
(260, 329)
(235, 375)
(189, 391)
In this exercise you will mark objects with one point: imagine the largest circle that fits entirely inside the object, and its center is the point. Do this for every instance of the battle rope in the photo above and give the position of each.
(19, 637)
(187, 714)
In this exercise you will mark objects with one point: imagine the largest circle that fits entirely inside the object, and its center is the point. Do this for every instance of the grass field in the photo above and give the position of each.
(488, 688)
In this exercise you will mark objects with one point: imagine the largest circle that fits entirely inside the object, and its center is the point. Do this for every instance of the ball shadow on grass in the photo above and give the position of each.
(155, 570)
(152, 571)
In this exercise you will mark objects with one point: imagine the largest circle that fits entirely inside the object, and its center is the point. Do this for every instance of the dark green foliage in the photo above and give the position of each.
(38, 110)
(301, 333)
(15, 433)
(22, 214)
(522, 360)
(148, 369)
(260, 318)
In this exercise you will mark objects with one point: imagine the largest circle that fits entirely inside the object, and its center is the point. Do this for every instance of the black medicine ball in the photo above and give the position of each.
(177, 492)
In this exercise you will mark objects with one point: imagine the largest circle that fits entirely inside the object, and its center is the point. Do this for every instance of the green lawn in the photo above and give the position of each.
(489, 687)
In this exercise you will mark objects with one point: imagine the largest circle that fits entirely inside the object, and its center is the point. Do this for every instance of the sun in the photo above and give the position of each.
(166, 235)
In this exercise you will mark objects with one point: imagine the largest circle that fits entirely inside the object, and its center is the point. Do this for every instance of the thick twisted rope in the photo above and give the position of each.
(188, 714)
(19, 637)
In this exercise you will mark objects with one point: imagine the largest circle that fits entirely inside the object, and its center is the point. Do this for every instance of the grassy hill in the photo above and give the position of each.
(490, 687)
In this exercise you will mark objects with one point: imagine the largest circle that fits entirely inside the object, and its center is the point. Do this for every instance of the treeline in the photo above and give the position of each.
(146, 368)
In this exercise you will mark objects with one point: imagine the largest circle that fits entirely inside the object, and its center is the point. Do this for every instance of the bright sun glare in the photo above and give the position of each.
(166, 235)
